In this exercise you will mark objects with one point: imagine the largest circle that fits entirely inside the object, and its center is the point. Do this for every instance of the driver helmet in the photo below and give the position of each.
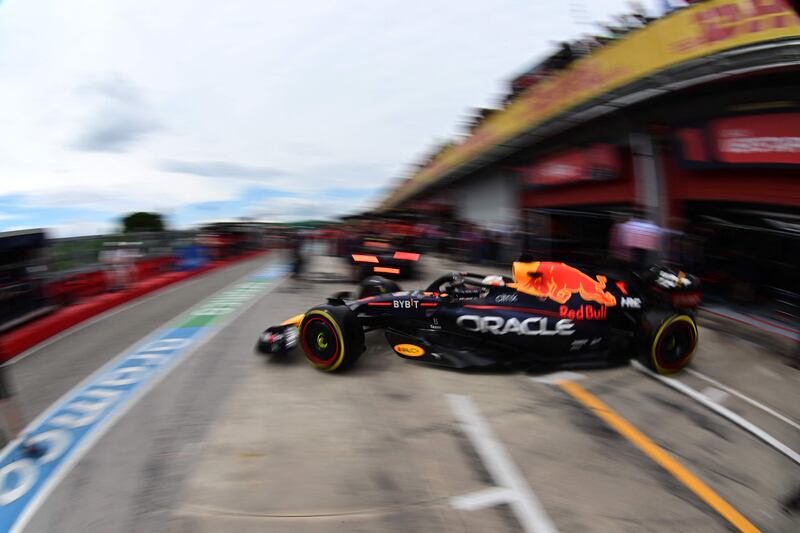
(497, 281)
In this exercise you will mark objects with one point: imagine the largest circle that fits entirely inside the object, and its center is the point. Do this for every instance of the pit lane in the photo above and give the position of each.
(230, 440)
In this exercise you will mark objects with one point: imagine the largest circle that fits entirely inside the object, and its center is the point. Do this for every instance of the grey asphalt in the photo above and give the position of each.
(44, 374)
(231, 441)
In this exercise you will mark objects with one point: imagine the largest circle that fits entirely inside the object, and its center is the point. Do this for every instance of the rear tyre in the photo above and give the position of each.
(331, 337)
(671, 342)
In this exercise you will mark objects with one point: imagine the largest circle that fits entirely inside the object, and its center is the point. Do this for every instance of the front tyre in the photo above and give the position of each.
(331, 337)
(671, 342)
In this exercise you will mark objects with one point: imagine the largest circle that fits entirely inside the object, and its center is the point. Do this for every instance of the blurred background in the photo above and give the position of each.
(146, 143)
(164, 164)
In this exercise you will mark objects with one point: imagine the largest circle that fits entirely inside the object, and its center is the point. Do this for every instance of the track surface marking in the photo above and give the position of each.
(657, 454)
(69, 428)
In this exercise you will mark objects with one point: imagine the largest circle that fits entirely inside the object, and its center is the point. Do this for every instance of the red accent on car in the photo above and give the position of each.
(307, 348)
(406, 256)
(622, 287)
(689, 300)
(364, 258)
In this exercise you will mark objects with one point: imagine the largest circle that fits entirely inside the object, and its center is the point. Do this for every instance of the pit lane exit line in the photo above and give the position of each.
(745, 398)
(70, 427)
(723, 411)
(659, 455)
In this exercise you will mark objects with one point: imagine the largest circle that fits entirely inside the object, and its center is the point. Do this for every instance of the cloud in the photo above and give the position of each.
(219, 169)
(64, 197)
(119, 117)
(112, 86)
(162, 106)
(125, 189)
(304, 208)
(78, 228)
(352, 175)
(111, 132)
(349, 192)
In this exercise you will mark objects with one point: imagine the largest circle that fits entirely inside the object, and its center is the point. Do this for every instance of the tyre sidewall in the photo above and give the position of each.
(339, 326)
(659, 327)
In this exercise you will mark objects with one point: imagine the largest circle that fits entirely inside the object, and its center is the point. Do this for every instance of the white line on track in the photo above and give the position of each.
(513, 488)
(754, 403)
(556, 377)
(481, 499)
(715, 394)
(90, 440)
(722, 411)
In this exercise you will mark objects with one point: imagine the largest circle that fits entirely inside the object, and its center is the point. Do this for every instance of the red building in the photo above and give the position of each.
(694, 120)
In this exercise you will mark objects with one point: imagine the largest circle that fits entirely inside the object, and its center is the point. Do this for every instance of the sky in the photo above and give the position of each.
(267, 109)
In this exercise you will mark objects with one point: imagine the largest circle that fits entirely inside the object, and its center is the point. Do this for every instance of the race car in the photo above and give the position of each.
(546, 316)
(378, 256)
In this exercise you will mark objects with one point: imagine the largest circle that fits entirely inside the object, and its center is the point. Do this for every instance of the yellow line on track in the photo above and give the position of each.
(657, 454)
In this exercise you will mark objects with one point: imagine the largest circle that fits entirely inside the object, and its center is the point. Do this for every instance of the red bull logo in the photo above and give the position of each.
(584, 312)
(559, 282)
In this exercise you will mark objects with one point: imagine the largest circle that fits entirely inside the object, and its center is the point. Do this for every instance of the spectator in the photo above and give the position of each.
(620, 253)
(643, 238)
(12, 417)
(639, 13)
(296, 254)
(118, 260)
(637, 242)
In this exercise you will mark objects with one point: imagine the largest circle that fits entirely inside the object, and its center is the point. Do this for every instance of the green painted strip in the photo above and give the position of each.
(222, 304)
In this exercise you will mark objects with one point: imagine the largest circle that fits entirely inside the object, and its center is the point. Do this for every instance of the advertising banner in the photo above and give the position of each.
(700, 30)
(771, 139)
(598, 162)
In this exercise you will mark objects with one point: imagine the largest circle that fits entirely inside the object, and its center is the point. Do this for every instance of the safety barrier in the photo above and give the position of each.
(21, 339)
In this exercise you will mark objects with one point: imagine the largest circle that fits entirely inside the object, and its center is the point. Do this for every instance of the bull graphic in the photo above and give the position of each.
(559, 282)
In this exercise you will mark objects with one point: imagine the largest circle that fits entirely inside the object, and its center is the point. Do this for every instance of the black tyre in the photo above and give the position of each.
(331, 337)
(671, 342)
(376, 285)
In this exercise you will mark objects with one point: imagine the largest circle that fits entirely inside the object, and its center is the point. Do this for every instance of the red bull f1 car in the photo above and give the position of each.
(546, 316)
(384, 258)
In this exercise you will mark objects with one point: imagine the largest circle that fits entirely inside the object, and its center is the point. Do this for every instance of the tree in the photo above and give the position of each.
(142, 221)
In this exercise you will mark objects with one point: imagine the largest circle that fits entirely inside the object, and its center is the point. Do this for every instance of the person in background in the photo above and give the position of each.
(676, 244)
(295, 245)
(644, 238)
(474, 238)
(637, 242)
(118, 261)
(619, 252)
(13, 423)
